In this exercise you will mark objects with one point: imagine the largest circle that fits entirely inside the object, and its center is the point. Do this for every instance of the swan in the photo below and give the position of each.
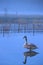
(29, 45)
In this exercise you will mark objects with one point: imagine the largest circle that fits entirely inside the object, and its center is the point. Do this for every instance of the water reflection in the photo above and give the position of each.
(29, 54)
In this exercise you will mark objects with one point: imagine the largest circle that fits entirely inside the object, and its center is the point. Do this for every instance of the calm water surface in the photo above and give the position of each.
(11, 49)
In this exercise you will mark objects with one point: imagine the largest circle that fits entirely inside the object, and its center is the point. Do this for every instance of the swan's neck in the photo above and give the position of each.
(26, 42)
(26, 39)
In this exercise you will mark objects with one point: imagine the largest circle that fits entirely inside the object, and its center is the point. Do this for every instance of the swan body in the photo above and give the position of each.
(29, 45)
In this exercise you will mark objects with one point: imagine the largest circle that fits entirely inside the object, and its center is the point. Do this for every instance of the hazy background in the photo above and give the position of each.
(22, 6)
(11, 46)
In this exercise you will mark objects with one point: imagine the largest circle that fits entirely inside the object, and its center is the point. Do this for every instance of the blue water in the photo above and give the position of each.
(11, 49)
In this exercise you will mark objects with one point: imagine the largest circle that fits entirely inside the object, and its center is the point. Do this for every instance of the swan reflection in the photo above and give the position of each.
(29, 54)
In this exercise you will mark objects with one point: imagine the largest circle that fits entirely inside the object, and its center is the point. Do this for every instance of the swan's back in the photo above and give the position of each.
(30, 46)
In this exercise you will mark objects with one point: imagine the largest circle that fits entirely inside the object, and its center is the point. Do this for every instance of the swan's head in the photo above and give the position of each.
(25, 37)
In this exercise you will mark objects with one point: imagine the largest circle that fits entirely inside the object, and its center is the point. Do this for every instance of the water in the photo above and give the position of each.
(11, 49)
